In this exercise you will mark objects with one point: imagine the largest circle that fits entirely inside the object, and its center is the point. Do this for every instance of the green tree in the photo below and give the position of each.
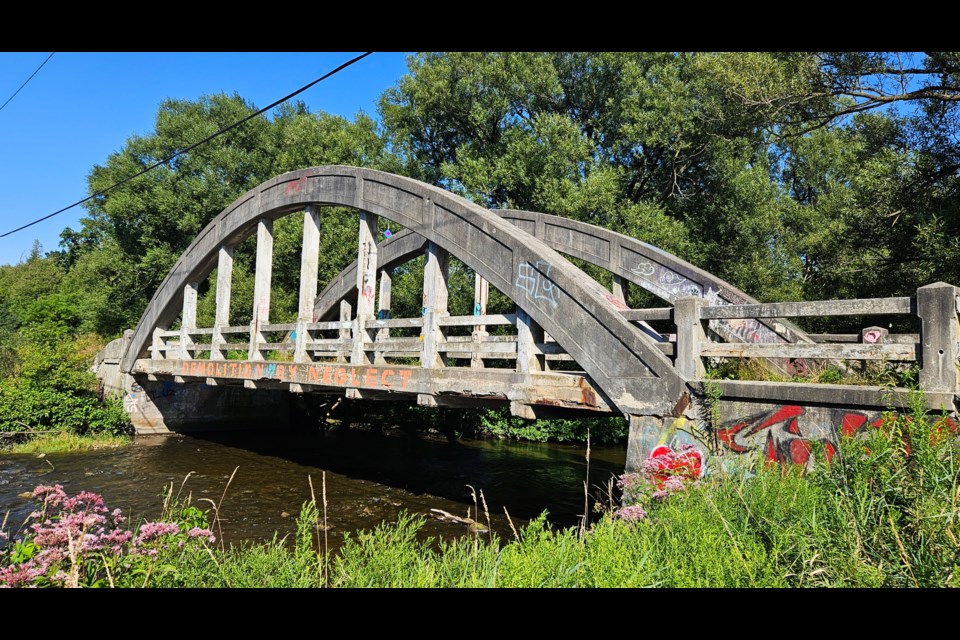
(869, 152)
(135, 232)
(638, 142)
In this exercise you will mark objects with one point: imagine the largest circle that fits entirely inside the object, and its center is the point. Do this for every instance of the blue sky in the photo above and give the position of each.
(82, 106)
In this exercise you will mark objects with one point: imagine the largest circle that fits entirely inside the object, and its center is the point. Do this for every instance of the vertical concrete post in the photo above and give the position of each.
(222, 318)
(383, 310)
(529, 333)
(939, 334)
(188, 320)
(619, 288)
(309, 257)
(690, 336)
(343, 353)
(873, 335)
(435, 272)
(261, 287)
(366, 287)
(157, 350)
(481, 293)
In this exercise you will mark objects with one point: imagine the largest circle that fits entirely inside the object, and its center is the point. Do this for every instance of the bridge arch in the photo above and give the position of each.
(580, 314)
(642, 264)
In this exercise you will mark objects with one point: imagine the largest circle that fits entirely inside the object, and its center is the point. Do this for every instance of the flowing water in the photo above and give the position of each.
(371, 476)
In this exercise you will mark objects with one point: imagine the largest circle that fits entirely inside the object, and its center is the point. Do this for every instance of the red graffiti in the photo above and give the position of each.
(787, 438)
(616, 302)
(941, 429)
(294, 185)
(314, 373)
(667, 463)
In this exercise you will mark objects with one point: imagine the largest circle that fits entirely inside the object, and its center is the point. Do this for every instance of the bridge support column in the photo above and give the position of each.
(366, 284)
(222, 318)
(528, 359)
(481, 293)
(309, 257)
(529, 333)
(383, 311)
(346, 311)
(939, 337)
(435, 274)
(188, 320)
(261, 287)
(690, 337)
(620, 288)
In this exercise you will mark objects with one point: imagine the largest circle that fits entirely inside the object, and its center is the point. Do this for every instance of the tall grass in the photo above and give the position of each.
(883, 513)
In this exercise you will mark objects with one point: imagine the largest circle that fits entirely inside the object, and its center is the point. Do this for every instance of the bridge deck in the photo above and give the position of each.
(565, 390)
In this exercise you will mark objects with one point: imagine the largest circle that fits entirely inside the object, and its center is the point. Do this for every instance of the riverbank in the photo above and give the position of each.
(882, 514)
(67, 442)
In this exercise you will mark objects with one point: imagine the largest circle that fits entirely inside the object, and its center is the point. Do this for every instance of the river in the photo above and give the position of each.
(371, 476)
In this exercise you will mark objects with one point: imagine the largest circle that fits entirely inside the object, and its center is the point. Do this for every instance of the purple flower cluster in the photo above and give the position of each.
(671, 485)
(197, 532)
(632, 514)
(80, 533)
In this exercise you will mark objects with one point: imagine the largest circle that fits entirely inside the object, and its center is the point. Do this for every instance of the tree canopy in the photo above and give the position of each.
(792, 175)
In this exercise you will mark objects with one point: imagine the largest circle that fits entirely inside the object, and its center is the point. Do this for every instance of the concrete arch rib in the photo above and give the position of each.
(573, 308)
(659, 272)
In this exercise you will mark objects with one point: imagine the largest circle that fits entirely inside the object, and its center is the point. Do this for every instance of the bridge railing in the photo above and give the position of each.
(377, 340)
(936, 348)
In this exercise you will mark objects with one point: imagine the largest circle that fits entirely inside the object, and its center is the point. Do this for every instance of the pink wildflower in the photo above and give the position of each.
(632, 514)
(52, 495)
(197, 532)
(153, 530)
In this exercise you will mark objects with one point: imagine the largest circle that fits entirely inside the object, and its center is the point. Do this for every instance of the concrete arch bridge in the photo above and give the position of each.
(569, 345)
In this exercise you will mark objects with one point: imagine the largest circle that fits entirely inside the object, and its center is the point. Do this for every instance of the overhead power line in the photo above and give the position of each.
(192, 146)
(27, 81)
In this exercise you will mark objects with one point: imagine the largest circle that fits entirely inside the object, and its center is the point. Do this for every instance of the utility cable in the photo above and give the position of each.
(192, 146)
(25, 82)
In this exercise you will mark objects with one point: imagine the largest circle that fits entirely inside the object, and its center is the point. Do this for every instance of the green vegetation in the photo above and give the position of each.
(46, 387)
(68, 442)
(877, 373)
(500, 424)
(883, 513)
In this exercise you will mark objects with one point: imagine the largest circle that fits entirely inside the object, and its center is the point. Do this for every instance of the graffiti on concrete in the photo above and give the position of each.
(318, 374)
(616, 302)
(791, 434)
(294, 186)
(534, 278)
(677, 285)
(751, 330)
(665, 462)
(643, 269)
(665, 281)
